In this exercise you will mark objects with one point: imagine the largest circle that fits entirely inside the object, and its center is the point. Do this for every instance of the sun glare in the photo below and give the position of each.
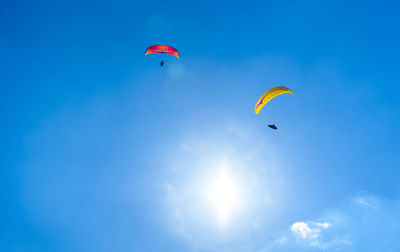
(223, 196)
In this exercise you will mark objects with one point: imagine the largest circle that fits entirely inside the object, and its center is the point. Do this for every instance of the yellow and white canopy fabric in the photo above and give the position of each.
(269, 95)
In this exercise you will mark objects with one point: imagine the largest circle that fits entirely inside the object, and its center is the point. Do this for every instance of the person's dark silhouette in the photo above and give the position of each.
(272, 126)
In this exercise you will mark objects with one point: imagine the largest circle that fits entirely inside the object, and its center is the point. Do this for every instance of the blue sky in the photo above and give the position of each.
(104, 150)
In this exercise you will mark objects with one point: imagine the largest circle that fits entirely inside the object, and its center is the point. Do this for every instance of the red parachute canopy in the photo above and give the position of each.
(162, 49)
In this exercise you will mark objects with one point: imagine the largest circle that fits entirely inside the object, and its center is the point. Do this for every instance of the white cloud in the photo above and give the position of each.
(313, 234)
(310, 230)
(361, 223)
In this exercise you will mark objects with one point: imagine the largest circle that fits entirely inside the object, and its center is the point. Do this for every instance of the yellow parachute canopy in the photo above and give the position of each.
(269, 95)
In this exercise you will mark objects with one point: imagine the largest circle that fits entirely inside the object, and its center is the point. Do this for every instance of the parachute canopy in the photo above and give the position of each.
(162, 49)
(269, 95)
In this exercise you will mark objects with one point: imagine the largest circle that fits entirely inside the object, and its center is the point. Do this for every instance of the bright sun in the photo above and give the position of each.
(223, 196)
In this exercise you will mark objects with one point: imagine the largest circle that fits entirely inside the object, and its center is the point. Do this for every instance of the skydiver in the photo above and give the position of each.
(272, 126)
(162, 63)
